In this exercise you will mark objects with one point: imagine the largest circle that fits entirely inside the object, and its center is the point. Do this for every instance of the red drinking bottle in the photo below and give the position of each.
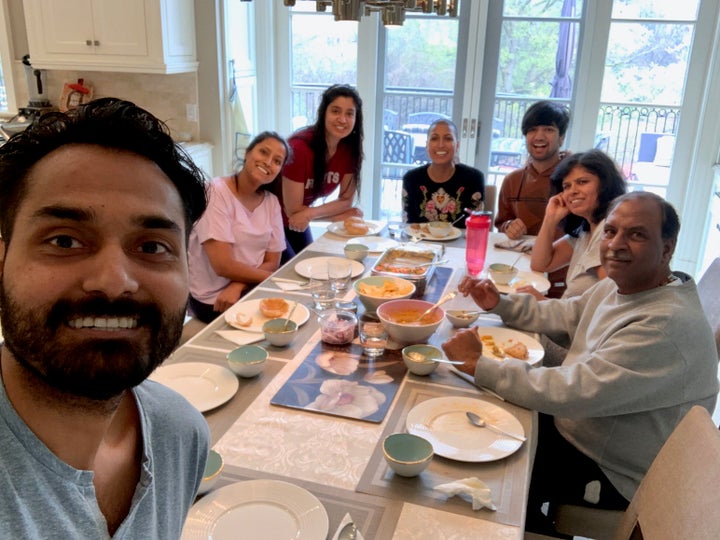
(477, 229)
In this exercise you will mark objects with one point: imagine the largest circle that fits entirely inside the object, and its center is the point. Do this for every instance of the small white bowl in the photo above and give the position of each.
(458, 318)
(421, 367)
(502, 274)
(407, 454)
(247, 360)
(213, 467)
(439, 229)
(276, 333)
(356, 252)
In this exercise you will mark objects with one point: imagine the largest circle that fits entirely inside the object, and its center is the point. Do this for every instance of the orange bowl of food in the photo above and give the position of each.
(403, 322)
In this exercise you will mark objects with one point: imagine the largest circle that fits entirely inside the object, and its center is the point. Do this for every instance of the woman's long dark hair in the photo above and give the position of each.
(354, 141)
(612, 184)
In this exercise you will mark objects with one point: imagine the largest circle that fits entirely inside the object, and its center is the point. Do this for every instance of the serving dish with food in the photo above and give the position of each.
(409, 261)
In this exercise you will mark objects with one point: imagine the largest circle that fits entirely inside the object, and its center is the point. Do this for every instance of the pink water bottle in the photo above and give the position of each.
(477, 229)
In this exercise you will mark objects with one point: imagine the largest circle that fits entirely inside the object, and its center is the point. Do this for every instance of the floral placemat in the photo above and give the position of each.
(341, 381)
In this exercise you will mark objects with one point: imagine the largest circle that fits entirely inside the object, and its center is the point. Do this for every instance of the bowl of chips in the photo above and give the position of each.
(376, 290)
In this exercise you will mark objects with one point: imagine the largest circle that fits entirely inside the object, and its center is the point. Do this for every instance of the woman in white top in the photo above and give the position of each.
(585, 184)
(238, 241)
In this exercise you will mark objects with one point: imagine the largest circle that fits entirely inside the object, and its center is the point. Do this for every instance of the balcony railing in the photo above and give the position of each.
(630, 133)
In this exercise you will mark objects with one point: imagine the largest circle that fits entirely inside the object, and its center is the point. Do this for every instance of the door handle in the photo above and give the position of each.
(472, 129)
(464, 128)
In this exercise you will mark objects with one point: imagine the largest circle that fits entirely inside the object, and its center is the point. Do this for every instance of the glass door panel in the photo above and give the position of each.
(643, 87)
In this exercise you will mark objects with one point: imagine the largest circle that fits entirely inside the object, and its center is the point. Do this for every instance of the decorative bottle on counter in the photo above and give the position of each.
(477, 230)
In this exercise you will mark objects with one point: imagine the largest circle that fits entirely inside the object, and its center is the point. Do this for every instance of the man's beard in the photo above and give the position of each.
(98, 369)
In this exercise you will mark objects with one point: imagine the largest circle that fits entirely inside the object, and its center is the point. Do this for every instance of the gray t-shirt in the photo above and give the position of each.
(43, 497)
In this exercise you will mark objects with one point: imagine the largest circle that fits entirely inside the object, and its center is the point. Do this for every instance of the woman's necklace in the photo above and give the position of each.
(441, 175)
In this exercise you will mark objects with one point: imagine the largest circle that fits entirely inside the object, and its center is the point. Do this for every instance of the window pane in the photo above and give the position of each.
(540, 8)
(324, 51)
(3, 95)
(685, 10)
(422, 54)
(535, 56)
(647, 63)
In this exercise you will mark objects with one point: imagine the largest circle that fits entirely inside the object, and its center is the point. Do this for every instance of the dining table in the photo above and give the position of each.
(339, 458)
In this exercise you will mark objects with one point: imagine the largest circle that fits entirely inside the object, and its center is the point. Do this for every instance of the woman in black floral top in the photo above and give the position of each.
(442, 189)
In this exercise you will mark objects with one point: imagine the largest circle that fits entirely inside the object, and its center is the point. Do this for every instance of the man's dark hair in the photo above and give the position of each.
(109, 123)
(546, 113)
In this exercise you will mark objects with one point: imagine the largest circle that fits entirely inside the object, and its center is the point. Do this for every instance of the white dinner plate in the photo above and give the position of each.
(375, 244)
(443, 422)
(525, 278)
(257, 509)
(204, 385)
(337, 227)
(306, 267)
(251, 308)
(420, 230)
(506, 336)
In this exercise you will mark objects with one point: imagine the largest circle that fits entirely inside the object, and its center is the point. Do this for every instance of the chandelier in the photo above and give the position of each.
(392, 11)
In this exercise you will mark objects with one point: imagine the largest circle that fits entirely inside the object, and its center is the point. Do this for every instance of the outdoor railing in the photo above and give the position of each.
(628, 132)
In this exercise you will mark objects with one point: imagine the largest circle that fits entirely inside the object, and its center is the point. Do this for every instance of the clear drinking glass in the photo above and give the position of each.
(321, 290)
(373, 335)
(339, 271)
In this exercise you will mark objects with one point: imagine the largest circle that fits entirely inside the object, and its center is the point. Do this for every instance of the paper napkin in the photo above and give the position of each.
(290, 285)
(524, 245)
(470, 488)
(239, 337)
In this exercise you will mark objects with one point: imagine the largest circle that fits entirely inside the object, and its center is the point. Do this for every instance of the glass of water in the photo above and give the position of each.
(321, 290)
(339, 271)
(373, 335)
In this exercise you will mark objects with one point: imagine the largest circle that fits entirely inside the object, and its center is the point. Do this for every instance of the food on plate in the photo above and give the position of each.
(512, 348)
(489, 342)
(517, 350)
(243, 319)
(399, 269)
(356, 225)
(387, 290)
(273, 308)
(411, 316)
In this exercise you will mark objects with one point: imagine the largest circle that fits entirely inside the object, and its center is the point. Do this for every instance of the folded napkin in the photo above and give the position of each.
(473, 488)
(347, 519)
(290, 285)
(239, 337)
(524, 245)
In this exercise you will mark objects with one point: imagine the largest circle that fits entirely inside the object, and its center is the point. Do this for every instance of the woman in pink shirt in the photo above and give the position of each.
(238, 241)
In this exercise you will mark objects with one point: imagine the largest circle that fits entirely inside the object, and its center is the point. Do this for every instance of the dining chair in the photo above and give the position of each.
(678, 498)
(490, 200)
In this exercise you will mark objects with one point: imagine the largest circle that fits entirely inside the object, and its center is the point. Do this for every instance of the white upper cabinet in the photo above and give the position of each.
(135, 36)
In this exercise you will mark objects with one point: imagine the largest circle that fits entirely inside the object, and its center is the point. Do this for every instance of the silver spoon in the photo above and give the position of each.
(289, 317)
(479, 421)
(448, 296)
(348, 532)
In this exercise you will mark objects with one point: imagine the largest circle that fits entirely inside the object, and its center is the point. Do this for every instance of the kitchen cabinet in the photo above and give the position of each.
(134, 36)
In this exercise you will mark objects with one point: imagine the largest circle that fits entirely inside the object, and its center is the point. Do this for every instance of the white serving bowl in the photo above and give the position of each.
(458, 318)
(356, 252)
(213, 467)
(409, 333)
(407, 454)
(502, 274)
(424, 366)
(276, 333)
(405, 289)
(247, 360)
(439, 229)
